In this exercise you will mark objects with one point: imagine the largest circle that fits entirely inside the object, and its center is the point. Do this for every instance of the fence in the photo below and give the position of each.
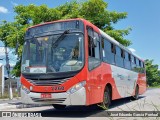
(15, 88)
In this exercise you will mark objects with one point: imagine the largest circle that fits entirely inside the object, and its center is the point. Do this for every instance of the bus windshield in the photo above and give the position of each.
(54, 53)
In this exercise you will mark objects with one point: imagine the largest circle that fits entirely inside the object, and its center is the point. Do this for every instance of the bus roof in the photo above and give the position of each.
(55, 22)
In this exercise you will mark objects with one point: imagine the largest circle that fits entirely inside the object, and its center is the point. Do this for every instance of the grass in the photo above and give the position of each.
(6, 95)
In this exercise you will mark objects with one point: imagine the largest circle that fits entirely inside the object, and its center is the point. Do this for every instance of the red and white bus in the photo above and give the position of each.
(73, 62)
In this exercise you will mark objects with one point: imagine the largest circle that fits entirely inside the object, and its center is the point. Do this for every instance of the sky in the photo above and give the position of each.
(143, 18)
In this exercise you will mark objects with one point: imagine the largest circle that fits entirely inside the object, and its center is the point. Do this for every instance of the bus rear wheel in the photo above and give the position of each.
(136, 96)
(106, 99)
(59, 107)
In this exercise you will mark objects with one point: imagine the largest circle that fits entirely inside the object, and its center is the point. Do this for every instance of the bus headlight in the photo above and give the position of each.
(25, 89)
(76, 87)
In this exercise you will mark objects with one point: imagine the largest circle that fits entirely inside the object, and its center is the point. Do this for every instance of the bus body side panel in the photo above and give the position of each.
(108, 79)
(123, 81)
(141, 82)
(103, 74)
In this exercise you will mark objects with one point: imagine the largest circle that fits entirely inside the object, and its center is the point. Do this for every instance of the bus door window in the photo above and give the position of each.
(93, 49)
(97, 48)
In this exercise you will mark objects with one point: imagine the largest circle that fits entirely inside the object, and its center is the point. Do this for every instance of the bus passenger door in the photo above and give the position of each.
(94, 67)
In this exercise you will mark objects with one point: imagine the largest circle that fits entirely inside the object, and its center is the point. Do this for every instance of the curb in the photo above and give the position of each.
(7, 106)
(6, 99)
(29, 106)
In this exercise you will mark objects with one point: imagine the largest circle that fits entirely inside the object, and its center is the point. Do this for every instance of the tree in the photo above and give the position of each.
(93, 10)
(153, 76)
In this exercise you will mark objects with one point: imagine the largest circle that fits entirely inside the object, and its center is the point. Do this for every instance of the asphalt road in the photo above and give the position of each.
(150, 101)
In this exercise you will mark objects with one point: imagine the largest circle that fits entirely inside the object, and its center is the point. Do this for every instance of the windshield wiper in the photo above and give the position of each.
(60, 37)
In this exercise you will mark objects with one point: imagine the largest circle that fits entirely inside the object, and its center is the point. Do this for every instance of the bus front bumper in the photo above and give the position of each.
(77, 98)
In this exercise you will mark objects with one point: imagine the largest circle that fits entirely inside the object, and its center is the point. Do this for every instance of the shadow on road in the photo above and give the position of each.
(83, 111)
(119, 102)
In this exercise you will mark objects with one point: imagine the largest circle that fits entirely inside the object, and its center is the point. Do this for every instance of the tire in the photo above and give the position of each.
(106, 99)
(136, 96)
(59, 107)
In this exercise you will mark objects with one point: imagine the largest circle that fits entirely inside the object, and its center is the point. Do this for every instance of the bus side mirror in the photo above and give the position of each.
(95, 41)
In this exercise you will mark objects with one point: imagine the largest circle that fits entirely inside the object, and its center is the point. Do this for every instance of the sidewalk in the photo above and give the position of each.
(7, 100)
(15, 103)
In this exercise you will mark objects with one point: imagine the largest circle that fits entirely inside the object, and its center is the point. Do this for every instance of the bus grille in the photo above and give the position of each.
(57, 100)
(48, 82)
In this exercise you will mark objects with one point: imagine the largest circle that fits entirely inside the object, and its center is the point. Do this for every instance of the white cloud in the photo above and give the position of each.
(132, 50)
(3, 9)
(13, 3)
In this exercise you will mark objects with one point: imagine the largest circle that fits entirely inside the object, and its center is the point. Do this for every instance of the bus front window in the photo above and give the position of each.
(52, 54)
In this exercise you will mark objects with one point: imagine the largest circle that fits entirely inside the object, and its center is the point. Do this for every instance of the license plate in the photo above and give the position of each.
(46, 95)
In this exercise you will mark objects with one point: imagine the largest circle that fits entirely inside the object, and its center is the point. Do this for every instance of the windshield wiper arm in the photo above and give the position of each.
(59, 38)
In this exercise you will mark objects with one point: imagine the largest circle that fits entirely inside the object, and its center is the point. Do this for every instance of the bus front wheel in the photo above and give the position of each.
(106, 99)
(59, 107)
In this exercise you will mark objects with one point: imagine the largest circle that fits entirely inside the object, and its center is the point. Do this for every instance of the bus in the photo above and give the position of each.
(73, 62)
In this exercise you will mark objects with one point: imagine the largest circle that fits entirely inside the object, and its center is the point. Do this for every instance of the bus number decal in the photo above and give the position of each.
(55, 88)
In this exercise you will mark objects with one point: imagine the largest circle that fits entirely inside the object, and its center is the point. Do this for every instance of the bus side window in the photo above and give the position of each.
(143, 66)
(113, 49)
(108, 50)
(142, 70)
(140, 63)
(133, 65)
(137, 62)
(102, 45)
(127, 61)
(122, 54)
(93, 51)
(119, 57)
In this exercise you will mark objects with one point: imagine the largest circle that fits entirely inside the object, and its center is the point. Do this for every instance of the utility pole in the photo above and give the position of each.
(3, 81)
(8, 72)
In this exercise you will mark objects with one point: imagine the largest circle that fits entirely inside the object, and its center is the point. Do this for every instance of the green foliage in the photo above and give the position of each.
(16, 70)
(11, 33)
(153, 76)
(93, 10)
(35, 13)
